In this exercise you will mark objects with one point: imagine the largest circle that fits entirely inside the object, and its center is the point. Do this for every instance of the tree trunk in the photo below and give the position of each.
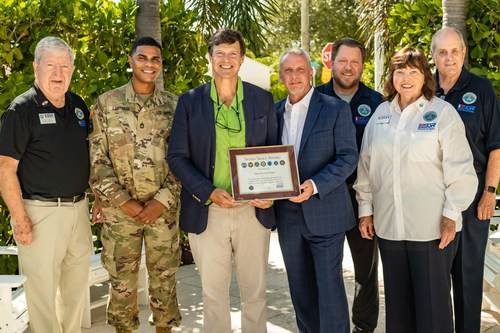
(454, 15)
(305, 40)
(379, 61)
(147, 23)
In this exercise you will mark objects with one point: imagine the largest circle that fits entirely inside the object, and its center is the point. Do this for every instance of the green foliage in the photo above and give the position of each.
(101, 33)
(183, 50)
(253, 18)
(483, 25)
(8, 264)
(329, 21)
(415, 23)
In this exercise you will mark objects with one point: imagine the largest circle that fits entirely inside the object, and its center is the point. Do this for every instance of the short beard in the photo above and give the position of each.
(341, 84)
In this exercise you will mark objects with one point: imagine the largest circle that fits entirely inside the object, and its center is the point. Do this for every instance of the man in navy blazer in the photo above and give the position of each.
(312, 226)
(225, 113)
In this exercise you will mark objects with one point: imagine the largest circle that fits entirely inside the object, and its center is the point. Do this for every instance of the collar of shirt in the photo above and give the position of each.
(294, 119)
(43, 101)
(419, 105)
(215, 97)
(462, 82)
(304, 101)
(156, 99)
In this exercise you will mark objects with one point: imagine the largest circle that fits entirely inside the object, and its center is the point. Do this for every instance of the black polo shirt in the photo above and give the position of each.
(477, 104)
(363, 104)
(50, 144)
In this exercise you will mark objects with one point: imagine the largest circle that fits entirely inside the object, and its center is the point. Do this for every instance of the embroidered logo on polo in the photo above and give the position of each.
(361, 120)
(79, 113)
(364, 110)
(427, 127)
(430, 116)
(469, 97)
(466, 108)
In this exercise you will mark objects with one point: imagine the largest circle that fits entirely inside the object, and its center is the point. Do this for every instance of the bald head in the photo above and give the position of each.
(446, 33)
(448, 53)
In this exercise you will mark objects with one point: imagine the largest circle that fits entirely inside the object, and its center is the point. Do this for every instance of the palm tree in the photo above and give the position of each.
(373, 15)
(147, 23)
(252, 18)
(305, 39)
(454, 15)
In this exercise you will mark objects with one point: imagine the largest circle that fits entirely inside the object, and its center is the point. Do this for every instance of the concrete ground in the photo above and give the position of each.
(281, 318)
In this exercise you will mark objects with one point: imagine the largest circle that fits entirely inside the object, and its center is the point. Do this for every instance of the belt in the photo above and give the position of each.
(74, 199)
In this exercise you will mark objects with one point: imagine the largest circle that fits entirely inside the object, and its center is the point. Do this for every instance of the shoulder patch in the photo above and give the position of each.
(469, 97)
(430, 116)
(364, 110)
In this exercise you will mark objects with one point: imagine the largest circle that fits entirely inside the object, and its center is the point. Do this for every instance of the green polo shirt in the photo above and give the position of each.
(229, 133)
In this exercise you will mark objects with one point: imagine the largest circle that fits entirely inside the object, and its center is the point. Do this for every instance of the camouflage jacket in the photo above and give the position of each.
(128, 144)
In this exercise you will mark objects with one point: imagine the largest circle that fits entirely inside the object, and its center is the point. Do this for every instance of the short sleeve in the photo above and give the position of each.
(14, 134)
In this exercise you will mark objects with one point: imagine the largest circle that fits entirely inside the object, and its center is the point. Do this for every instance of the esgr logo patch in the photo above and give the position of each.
(466, 108)
(427, 127)
(361, 120)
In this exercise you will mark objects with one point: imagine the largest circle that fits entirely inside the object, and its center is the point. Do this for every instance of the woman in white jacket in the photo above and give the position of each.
(415, 177)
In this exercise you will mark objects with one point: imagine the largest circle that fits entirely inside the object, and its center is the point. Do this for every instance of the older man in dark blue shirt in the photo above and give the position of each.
(478, 106)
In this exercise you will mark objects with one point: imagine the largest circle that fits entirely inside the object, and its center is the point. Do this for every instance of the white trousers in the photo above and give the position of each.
(232, 233)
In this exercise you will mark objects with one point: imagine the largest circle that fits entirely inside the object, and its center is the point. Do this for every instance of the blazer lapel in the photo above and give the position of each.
(207, 107)
(315, 106)
(280, 114)
(248, 110)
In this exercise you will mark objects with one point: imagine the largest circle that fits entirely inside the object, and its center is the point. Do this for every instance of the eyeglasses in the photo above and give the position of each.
(236, 111)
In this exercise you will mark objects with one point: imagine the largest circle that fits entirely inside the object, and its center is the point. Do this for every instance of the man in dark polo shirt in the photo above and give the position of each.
(477, 104)
(44, 171)
(348, 57)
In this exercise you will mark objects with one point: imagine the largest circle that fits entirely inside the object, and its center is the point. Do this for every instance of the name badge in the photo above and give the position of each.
(385, 119)
(47, 118)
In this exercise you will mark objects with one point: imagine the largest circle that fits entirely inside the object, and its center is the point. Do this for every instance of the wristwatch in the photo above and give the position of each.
(490, 189)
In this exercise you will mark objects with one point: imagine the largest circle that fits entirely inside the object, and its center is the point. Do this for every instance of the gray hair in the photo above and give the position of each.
(443, 30)
(297, 51)
(52, 44)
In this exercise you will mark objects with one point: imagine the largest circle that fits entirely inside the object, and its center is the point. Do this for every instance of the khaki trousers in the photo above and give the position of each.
(56, 264)
(232, 233)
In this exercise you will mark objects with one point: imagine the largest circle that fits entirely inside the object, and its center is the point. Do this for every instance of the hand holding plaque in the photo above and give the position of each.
(268, 172)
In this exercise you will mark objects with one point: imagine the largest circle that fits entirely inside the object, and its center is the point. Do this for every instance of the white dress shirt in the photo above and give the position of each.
(294, 119)
(414, 167)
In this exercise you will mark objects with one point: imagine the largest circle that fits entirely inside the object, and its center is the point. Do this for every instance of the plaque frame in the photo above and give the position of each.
(265, 173)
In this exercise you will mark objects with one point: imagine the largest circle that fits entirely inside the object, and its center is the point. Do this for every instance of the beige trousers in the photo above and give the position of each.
(57, 265)
(232, 233)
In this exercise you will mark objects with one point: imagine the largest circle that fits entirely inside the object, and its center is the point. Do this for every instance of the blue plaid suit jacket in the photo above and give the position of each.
(327, 155)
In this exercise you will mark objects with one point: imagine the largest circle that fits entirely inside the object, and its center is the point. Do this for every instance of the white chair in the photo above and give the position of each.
(13, 308)
(491, 290)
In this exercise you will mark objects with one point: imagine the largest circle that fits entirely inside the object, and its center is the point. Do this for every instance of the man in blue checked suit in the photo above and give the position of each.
(312, 226)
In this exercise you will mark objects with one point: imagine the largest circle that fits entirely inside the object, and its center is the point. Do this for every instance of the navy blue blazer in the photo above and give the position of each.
(191, 148)
(327, 155)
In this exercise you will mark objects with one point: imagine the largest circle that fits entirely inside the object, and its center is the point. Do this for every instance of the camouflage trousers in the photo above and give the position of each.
(122, 240)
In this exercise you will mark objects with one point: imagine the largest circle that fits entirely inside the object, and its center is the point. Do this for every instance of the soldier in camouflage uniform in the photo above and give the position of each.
(138, 194)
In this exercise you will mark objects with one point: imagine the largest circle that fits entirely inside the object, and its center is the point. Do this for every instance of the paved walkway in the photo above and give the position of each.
(280, 313)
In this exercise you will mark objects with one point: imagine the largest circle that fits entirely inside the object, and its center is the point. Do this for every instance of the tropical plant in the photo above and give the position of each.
(253, 18)
(414, 24)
